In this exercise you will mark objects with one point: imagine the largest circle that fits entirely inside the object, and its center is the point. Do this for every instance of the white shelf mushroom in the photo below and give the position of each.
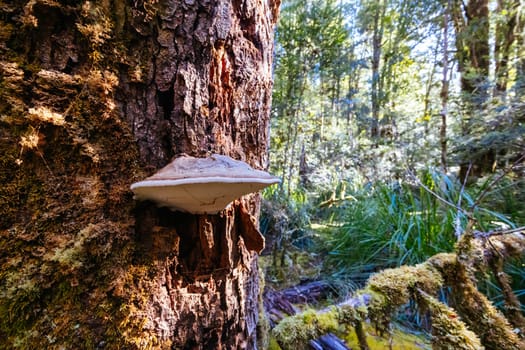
(201, 185)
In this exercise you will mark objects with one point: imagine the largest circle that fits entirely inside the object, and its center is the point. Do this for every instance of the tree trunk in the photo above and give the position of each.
(95, 96)
(505, 37)
(376, 91)
(471, 22)
(444, 91)
(472, 44)
(520, 44)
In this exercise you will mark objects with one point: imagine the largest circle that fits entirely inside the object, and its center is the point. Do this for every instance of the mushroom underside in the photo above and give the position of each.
(197, 196)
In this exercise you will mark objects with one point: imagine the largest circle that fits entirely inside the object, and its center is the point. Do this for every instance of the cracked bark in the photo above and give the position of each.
(194, 76)
(210, 73)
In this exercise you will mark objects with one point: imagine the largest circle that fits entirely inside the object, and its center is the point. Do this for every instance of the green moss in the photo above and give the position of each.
(66, 229)
(388, 290)
(399, 340)
(448, 331)
(392, 288)
(11, 321)
(296, 331)
(328, 321)
(55, 212)
(397, 285)
(384, 294)
(273, 345)
(474, 308)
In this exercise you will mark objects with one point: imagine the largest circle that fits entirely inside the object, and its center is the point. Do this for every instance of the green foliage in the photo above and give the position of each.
(401, 223)
(312, 56)
(328, 94)
(342, 67)
(285, 223)
(282, 214)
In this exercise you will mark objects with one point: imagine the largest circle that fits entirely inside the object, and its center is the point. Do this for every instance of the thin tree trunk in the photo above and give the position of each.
(505, 37)
(520, 45)
(95, 96)
(444, 91)
(377, 38)
(291, 142)
(428, 89)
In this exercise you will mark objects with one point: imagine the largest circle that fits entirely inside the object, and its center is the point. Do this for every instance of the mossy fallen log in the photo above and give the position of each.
(474, 323)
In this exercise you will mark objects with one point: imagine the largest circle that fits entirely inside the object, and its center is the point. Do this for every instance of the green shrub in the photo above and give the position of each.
(402, 223)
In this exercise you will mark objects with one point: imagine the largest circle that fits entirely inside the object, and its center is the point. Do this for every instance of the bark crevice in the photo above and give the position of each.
(129, 87)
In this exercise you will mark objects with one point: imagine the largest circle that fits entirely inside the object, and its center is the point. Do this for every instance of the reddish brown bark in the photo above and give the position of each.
(83, 265)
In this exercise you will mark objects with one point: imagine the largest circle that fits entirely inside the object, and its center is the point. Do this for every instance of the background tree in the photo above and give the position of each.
(486, 131)
(309, 76)
(95, 96)
(383, 75)
(445, 82)
(507, 18)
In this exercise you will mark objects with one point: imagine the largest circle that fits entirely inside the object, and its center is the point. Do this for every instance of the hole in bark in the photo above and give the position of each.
(198, 242)
(166, 101)
(190, 344)
(156, 240)
(69, 66)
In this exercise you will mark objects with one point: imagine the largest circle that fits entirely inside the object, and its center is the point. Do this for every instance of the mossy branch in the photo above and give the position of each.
(475, 323)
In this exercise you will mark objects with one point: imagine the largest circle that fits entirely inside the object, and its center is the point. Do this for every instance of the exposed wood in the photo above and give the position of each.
(310, 292)
(253, 239)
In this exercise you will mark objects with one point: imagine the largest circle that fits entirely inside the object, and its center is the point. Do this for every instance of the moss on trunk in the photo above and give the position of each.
(93, 97)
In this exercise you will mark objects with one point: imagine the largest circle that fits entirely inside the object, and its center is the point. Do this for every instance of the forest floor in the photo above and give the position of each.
(294, 282)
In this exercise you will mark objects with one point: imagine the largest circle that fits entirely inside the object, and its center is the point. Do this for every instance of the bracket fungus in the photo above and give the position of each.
(201, 185)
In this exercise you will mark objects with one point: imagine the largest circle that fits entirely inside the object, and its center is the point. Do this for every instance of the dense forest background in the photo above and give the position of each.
(397, 126)
(365, 90)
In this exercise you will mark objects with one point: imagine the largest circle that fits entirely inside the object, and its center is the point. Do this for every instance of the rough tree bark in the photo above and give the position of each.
(95, 96)
(471, 24)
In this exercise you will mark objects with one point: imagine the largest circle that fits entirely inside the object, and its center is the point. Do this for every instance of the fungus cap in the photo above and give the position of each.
(201, 185)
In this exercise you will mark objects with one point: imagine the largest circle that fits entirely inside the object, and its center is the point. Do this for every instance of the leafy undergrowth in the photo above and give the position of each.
(401, 223)
(283, 269)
